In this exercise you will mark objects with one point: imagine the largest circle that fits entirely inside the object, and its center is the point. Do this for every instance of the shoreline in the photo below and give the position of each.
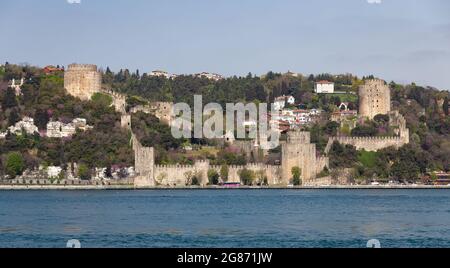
(133, 188)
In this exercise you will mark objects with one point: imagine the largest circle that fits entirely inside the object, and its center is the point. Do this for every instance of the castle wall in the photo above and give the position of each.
(296, 152)
(82, 80)
(321, 163)
(162, 110)
(119, 101)
(371, 144)
(125, 121)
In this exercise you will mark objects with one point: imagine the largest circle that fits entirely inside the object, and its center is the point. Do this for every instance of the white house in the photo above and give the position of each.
(56, 129)
(281, 102)
(324, 87)
(210, 76)
(27, 124)
(53, 172)
(159, 73)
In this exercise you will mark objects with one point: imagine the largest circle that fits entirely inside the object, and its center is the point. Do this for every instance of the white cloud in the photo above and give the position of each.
(74, 1)
(374, 1)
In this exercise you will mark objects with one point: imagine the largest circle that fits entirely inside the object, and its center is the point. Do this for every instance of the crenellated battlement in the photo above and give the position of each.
(82, 67)
(174, 166)
(182, 175)
(368, 143)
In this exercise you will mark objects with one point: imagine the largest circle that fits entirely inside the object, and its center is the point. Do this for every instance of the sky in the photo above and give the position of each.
(401, 40)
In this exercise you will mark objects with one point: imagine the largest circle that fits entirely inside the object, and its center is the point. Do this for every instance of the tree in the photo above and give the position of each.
(15, 164)
(213, 177)
(195, 180)
(405, 170)
(247, 176)
(108, 172)
(331, 128)
(41, 118)
(84, 172)
(342, 156)
(102, 99)
(364, 131)
(224, 172)
(381, 118)
(445, 106)
(13, 117)
(296, 173)
(9, 100)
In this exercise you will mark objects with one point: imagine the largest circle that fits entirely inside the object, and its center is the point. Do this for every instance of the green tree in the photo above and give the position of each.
(41, 118)
(364, 131)
(213, 177)
(84, 172)
(331, 128)
(15, 164)
(195, 180)
(405, 170)
(9, 100)
(224, 172)
(247, 176)
(14, 117)
(296, 173)
(381, 118)
(102, 99)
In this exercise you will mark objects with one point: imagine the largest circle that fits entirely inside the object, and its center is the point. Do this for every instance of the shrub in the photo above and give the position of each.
(224, 172)
(15, 164)
(84, 172)
(296, 173)
(247, 176)
(213, 177)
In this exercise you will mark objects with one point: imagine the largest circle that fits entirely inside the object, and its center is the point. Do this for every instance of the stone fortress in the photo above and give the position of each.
(82, 80)
(297, 151)
(375, 99)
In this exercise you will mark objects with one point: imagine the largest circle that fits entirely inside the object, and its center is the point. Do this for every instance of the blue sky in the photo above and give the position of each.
(401, 40)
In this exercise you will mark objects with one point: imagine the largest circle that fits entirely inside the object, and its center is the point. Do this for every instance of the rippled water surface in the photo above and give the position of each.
(232, 218)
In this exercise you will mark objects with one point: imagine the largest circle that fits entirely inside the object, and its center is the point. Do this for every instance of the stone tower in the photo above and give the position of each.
(82, 80)
(144, 164)
(374, 98)
(125, 121)
(298, 151)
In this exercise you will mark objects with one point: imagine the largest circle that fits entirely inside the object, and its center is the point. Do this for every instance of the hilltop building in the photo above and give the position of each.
(52, 69)
(324, 87)
(159, 73)
(210, 76)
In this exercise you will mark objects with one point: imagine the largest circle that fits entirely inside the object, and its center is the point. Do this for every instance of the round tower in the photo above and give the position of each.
(374, 98)
(82, 80)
